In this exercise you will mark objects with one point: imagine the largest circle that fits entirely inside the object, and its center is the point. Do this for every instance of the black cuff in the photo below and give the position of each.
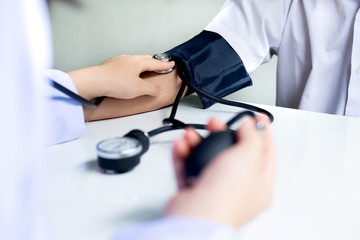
(213, 65)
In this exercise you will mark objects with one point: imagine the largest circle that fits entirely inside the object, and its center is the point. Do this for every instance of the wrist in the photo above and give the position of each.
(88, 82)
(204, 204)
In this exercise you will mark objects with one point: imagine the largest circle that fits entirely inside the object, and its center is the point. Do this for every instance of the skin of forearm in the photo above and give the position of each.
(87, 82)
(112, 107)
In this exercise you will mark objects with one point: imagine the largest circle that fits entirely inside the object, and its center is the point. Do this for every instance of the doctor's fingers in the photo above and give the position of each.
(121, 59)
(115, 59)
(263, 125)
(269, 149)
(260, 143)
(215, 125)
(181, 150)
(151, 64)
(190, 140)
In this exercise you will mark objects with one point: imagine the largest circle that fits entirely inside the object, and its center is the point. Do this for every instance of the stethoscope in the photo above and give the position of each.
(122, 154)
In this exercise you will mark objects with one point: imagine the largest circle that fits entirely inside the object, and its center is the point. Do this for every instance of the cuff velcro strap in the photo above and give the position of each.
(212, 65)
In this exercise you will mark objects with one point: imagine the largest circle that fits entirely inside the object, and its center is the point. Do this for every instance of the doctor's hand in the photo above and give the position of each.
(119, 77)
(233, 188)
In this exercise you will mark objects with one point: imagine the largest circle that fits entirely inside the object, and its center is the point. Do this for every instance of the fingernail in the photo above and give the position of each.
(260, 126)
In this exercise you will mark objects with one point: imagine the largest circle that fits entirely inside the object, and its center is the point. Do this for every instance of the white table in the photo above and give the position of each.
(317, 191)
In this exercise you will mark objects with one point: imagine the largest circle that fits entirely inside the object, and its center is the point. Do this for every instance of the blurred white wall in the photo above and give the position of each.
(98, 30)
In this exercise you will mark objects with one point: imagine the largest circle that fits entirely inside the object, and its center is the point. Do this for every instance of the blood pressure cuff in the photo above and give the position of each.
(212, 66)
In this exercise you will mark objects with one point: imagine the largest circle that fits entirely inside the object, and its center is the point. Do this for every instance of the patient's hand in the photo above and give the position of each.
(236, 186)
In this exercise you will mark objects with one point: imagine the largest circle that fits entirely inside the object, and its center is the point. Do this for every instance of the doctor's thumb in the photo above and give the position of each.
(148, 88)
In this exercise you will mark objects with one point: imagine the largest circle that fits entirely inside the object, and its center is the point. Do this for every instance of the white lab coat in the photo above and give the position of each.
(67, 115)
(317, 43)
(24, 46)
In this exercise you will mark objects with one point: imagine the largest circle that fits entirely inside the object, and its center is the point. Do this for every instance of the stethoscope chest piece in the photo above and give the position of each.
(123, 153)
(163, 57)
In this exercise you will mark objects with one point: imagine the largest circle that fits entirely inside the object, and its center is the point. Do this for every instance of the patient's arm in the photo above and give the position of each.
(114, 107)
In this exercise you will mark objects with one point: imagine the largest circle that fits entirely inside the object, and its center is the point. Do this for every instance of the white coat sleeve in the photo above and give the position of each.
(253, 28)
(66, 122)
(24, 51)
(178, 228)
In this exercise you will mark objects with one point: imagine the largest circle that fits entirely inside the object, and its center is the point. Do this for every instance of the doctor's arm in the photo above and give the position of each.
(129, 85)
(119, 80)
(206, 61)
